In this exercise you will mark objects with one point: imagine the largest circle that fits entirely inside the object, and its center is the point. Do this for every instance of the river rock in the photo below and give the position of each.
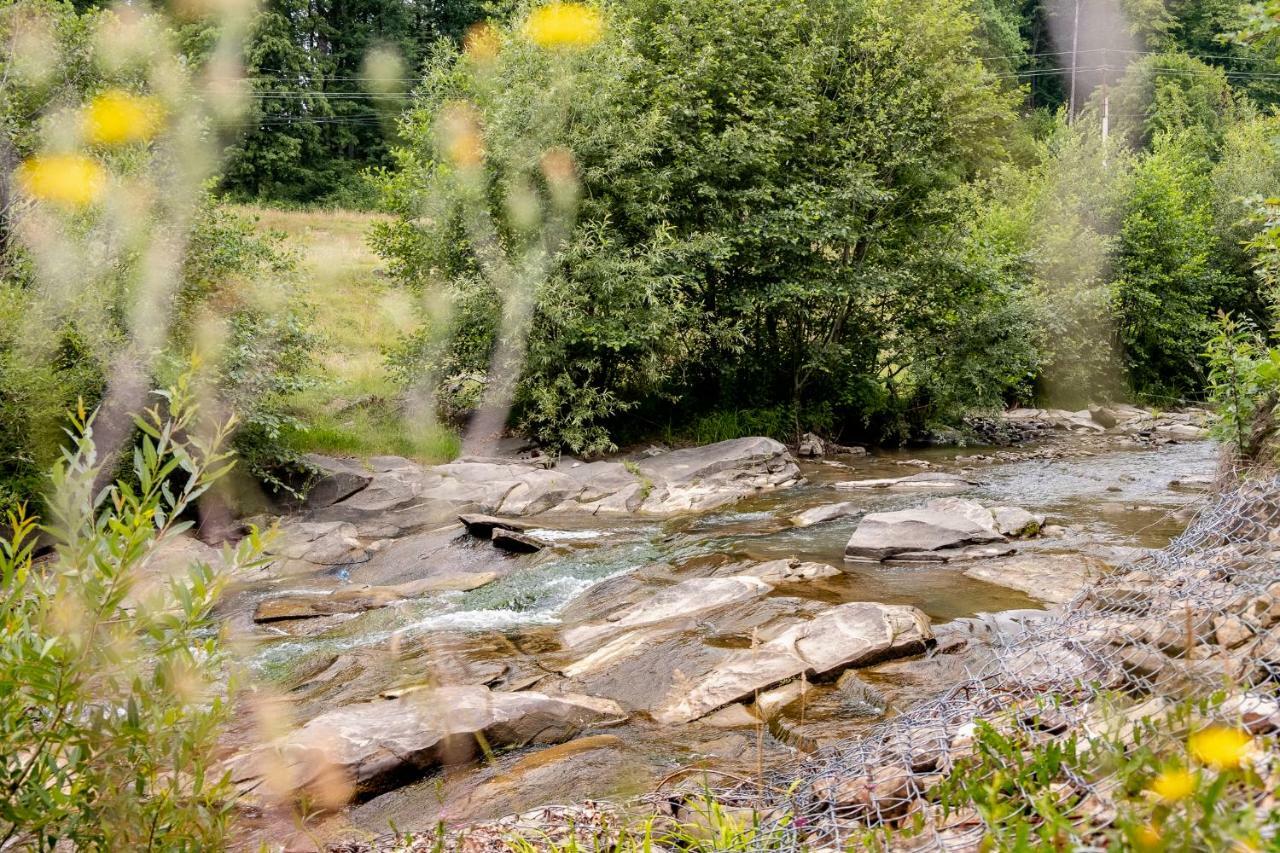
(286, 607)
(586, 768)
(1104, 416)
(333, 480)
(924, 481)
(441, 556)
(403, 496)
(854, 634)
(369, 747)
(1182, 432)
(791, 571)
(947, 523)
(810, 446)
(324, 543)
(1054, 578)
(1016, 522)
(357, 598)
(516, 542)
(826, 512)
(954, 555)
(482, 526)
(686, 599)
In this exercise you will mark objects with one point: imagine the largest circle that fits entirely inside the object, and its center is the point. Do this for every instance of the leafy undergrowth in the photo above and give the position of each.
(351, 406)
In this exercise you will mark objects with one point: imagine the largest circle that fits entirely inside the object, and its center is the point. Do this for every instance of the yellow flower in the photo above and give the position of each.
(559, 26)
(70, 180)
(1174, 785)
(1220, 747)
(118, 118)
(1149, 838)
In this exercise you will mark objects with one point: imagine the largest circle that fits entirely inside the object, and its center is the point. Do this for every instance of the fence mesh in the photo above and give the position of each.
(1197, 618)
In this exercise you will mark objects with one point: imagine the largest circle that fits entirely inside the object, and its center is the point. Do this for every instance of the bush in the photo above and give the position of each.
(770, 200)
(113, 679)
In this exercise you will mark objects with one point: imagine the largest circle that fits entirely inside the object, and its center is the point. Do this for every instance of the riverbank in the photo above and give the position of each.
(377, 602)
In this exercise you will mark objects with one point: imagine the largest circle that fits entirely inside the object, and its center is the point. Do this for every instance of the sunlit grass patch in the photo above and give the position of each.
(351, 408)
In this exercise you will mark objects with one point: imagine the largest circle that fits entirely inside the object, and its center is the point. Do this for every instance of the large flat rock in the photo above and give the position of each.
(849, 635)
(1053, 578)
(370, 747)
(680, 602)
(939, 524)
(400, 493)
(925, 481)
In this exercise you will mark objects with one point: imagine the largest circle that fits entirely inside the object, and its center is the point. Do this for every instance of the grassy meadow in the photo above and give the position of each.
(351, 407)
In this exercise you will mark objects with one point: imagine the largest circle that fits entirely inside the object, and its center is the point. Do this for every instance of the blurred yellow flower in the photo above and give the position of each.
(1149, 838)
(1220, 747)
(1174, 785)
(463, 141)
(70, 180)
(118, 118)
(559, 26)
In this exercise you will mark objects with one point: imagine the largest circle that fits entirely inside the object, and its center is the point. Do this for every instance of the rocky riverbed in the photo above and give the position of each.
(595, 627)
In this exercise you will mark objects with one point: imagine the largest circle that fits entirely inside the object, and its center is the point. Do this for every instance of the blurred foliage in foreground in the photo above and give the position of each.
(111, 254)
(115, 681)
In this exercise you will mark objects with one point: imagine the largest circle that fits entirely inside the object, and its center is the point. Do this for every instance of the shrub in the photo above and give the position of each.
(113, 679)
(769, 202)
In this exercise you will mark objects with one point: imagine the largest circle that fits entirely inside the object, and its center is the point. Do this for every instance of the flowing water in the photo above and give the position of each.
(1112, 503)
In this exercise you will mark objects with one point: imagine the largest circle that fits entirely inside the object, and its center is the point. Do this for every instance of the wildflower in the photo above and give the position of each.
(118, 118)
(1149, 837)
(558, 26)
(1220, 747)
(1174, 785)
(69, 180)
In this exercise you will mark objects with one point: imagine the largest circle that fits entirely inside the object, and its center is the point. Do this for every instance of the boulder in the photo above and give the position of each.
(939, 524)
(302, 546)
(333, 480)
(369, 747)
(1016, 522)
(702, 478)
(854, 634)
(1054, 578)
(482, 526)
(810, 447)
(517, 542)
(826, 512)
(925, 481)
(1182, 432)
(1104, 416)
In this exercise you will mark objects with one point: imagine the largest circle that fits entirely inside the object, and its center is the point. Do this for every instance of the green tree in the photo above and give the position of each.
(316, 118)
(1166, 285)
(771, 204)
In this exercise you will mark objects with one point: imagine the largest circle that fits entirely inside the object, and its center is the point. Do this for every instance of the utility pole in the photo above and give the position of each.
(1075, 44)
(1106, 121)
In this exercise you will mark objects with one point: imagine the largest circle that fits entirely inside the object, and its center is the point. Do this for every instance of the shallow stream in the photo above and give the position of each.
(1111, 503)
